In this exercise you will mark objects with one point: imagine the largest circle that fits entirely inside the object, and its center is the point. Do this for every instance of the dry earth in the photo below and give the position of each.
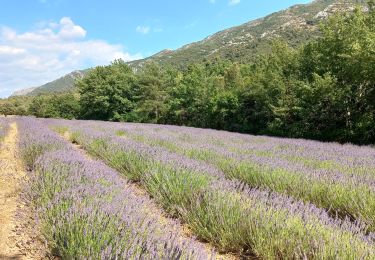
(19, 236)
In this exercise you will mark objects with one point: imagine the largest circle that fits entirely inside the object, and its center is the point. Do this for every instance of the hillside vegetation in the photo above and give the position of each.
(324, 89)
(296, 25)
(63, 84)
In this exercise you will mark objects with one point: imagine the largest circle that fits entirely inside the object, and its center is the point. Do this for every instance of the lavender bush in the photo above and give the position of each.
(4, 127)
(347, 190)
(227, 213)
(88, 212)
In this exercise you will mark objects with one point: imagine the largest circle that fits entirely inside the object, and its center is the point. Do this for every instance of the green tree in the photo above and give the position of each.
(346, 51)
(41, 106)
(106, 92)
(151, 93)
(270, 79)
(66, 105)
(189, 98)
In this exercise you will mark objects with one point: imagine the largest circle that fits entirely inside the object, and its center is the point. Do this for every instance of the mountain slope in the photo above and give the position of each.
(243, 43)
(23, 92)
(62, 84)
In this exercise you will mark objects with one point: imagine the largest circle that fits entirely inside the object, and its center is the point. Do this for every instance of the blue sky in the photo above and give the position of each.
(41, 40)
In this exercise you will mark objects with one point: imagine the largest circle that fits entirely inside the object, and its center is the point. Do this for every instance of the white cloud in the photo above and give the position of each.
(143, 29)
(234, 2)
(10, 51)
(53, 49)
(70, 30)
(212, 1)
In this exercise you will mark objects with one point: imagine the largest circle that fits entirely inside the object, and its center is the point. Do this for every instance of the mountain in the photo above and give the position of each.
(62, 84)
(242, 43)
(23, 92)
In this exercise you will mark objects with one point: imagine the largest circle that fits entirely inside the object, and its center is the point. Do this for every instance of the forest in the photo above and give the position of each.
(323, 90)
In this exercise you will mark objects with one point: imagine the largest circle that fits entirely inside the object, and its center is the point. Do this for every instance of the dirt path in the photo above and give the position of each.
(18, 235)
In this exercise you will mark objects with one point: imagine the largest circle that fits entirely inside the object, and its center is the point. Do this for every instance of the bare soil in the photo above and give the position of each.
(19, 234)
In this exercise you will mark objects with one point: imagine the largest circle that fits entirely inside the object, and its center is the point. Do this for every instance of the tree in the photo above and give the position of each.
(151, 93)
(64, 105)
(106, 92)
(346, 51)
(189, 98)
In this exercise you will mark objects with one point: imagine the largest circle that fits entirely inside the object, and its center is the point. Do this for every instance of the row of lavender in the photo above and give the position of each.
(348, 158)
(87, 211)
(4, 127)
(347, 154)
(345, 159)
(346, 189)
(226, 213)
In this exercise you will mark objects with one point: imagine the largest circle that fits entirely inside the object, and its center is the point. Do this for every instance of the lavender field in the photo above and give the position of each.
(104, 190)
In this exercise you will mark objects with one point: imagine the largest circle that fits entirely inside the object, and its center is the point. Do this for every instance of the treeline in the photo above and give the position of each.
(61, 105)
(324, 90)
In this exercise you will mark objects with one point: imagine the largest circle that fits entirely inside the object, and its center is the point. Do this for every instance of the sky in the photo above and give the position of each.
(42, 40)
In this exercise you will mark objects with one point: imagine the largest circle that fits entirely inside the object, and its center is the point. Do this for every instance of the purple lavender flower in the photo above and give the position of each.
(88, 211)
(228, 213)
